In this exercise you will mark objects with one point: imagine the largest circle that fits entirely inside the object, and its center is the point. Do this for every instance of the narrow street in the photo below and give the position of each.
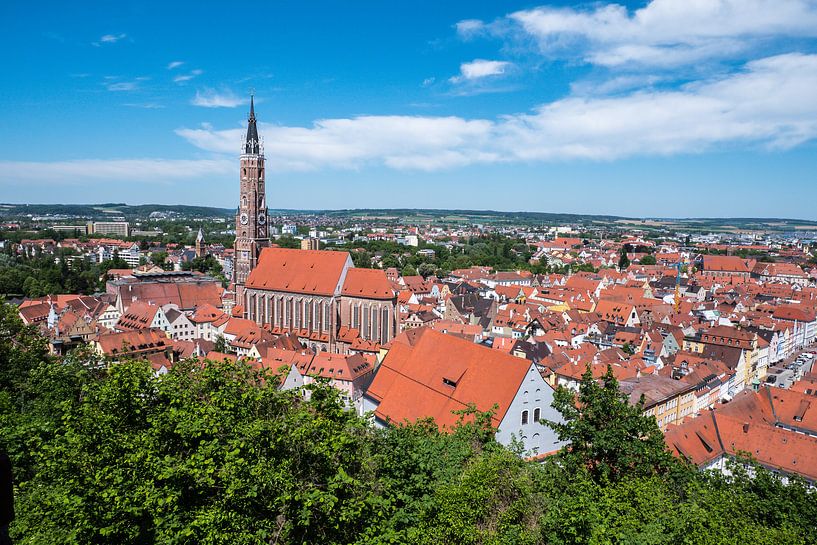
(784, 373)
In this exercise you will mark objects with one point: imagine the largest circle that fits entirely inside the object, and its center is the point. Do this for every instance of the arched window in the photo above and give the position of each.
(385, 326)
(373, 334)
(537, 412)
(524, 417)
(307, 314)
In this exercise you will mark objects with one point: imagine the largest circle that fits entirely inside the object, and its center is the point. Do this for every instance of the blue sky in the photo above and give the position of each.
(662, 108)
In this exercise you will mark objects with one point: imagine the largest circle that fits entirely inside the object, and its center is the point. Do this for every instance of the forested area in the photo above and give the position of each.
(217, 454)
(45, 274)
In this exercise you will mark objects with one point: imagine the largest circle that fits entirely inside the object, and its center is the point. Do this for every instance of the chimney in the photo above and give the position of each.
(745, 427)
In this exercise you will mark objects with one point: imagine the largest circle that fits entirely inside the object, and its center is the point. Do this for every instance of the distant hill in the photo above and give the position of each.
(409, 215)
(108, 210)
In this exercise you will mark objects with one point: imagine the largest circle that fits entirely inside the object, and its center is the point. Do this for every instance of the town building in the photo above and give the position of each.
(116, 228)
(431, 374)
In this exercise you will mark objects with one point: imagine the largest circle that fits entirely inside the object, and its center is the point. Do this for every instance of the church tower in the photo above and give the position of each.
(201, 248)
(251, 233)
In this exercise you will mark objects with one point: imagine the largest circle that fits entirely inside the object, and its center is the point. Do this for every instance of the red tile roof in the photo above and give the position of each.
(186, 295)
(368, 284)
(725, 263)
(339, 366)
(429, 374)
(316, 272)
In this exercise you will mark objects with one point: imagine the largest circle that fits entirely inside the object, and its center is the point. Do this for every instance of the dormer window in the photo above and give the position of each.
(449, 382)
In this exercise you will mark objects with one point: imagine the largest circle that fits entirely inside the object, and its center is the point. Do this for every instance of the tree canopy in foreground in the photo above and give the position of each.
(217, 454)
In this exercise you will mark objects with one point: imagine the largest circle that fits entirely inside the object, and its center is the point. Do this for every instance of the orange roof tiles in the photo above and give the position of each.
(725, 263)
(429, 374)
(367, 283)
(316, 272)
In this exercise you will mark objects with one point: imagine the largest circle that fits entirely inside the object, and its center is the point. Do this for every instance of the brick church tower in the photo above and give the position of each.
(251, 229)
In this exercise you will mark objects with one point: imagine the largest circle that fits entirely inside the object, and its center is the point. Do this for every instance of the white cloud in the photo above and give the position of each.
(351, 143)
(187, 77)
(109, 39)
(770, 103)
(468, 28)
(174, 64)
(210, 98)
(480, 68)
(114, 170)
(666, 33)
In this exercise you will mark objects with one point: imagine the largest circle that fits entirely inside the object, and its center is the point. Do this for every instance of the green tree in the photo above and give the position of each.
(220, 345)
(426, 269)
(605, 434)
(647, 260)
(159, 259)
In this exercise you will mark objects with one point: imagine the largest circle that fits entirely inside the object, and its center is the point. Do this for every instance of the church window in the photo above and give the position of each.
(364, 331)
(537, 412)
(385, 326)
(307, 314)
(326, 310)
(524, 417)
(355, 316)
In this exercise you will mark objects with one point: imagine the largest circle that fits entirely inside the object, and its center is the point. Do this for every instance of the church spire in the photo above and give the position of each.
(252, 144)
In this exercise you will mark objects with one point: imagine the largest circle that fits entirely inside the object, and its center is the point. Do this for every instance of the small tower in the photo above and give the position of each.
(201, 250)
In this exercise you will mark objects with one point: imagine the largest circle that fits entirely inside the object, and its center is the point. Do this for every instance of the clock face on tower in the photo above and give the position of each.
(244, 219)
(262, 218)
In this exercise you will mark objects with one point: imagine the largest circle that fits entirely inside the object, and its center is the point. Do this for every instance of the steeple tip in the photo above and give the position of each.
(252, 143)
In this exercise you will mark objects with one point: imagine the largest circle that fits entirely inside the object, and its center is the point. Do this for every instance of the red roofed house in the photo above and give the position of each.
(348, 373)
(788, 273)
(140, 343)
(803, 322)
(315, 293)
(776, 427)
(725, 265)
(430, 374)
(622, 314)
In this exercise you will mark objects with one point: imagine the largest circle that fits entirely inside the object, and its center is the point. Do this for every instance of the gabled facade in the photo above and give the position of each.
(430, 374)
